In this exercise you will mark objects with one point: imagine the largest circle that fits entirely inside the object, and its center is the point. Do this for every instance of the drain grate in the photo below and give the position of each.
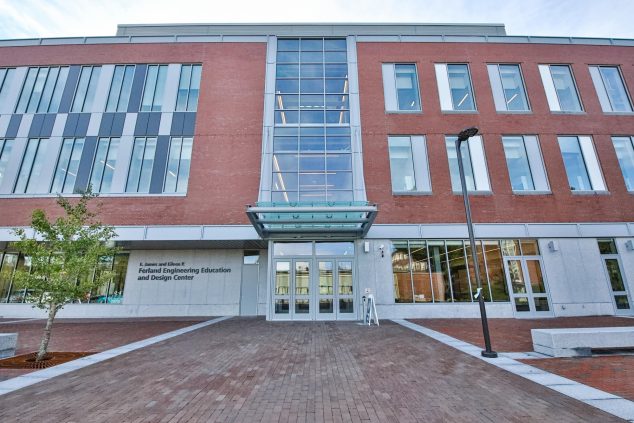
(27, 361)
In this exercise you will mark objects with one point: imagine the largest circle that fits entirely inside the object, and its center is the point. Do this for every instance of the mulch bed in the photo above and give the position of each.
(27, 361)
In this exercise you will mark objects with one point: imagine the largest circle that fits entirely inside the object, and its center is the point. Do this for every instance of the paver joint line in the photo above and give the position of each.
(623, 409)
(29, 379)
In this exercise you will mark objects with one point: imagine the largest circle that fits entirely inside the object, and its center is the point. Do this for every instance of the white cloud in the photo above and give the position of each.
(63, 18)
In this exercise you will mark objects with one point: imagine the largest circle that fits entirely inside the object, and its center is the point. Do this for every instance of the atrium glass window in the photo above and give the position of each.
(582, 165)
(178, 165)
(610, 89)
(508, 88)
(474, 162)
(188, 88)
(140, 173)
(6, 78)
(86, 88)
(31, 167)
(6, 146)
(625, 153)
(408, 164)
(154, 88)
(67, 166)
(120, 88)
(524, 163)
(560, 87)
(454, 87)
(42, 90)
(104, 164)
(312, 159)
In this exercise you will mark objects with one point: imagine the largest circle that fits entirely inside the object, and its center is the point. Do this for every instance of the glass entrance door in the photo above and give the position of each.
(529, 293)
(319, 286)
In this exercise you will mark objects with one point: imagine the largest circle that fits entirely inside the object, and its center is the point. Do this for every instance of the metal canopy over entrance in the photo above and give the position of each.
(309, 220)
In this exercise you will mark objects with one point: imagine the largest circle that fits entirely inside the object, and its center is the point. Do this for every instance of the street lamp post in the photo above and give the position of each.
(464, 136)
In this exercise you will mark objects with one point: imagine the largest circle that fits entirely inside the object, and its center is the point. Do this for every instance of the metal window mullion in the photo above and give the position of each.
(466, 256)
(28, 179)
(105, 162)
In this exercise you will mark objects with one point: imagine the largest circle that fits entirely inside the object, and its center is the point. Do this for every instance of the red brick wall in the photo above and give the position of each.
(225, 169)
(503, 205)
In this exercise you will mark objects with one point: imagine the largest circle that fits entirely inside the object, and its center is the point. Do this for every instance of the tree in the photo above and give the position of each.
(64, 255)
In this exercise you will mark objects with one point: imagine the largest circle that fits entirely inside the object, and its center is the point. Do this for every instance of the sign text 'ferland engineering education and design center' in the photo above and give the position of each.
(170, 270)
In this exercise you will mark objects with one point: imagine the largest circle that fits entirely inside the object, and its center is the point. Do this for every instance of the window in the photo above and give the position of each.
(408, 164)
(610, 88)
(67, 165)
(312, 158)
(42, 90)
(154, 88)
(104, 164)
(508, 88)
(141, 164)
(615, 275)
(6, 78)
(6, 146)
(625, 153)
(400, 86)
(86, 87)
(474, 162)
(178, 164)
(525, 164)
(426, 271)
(560, 88)
(120, 88)
(188, 88)
(31, 166)
(582, 166)
(454, 87)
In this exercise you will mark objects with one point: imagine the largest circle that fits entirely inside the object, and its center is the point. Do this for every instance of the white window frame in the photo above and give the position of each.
(591, 161)
(481, 181)
(390, 92)
(497, 88)
(420, 163)
(535, 162)
(444, 89)
(551, 92)
(602, 92)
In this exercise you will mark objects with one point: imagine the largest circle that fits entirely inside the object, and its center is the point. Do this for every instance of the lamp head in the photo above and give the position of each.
(465, 134)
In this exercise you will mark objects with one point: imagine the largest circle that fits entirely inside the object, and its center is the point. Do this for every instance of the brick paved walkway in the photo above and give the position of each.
(514, 335)
(88, 334)
(249, 370)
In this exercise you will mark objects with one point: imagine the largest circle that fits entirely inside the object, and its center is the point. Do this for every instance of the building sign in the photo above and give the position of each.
(174, 270)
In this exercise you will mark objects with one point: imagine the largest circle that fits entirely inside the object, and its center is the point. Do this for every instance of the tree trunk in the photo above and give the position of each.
(46, 337)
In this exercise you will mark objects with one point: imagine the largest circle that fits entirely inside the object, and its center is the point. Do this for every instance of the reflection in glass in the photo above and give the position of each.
(517, 163)
(178, 164)
(104, 164)
(614, 273)
(454, 170)
(407, 87)
(282, 277)
(615, 89)
(521, 304)
(517, 276)
(346, 305)
(326, 305)
(575, 165)
(460, 87)
(420, 272)
(281, 306)
(141, 165)
(535, 276)
(606, 246)
(495, 271)
(292, 249)
(625, 154)
(5, 151)
(458, 270)
(541, 304)
(302, 306)
(120, 88)
(334, 248)
(9, 262)
(529, 247)
(29, 175)
(622, 302)
(439, 271)
(401, 273)
(67, 165)
(302, 278)
(513, 87)
(401, 164)
(326, 278)
(565, 88)
(481, 267)
(344, 273)
(510, 247)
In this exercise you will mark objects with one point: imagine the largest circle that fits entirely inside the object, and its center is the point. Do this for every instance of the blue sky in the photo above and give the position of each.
(67, 18)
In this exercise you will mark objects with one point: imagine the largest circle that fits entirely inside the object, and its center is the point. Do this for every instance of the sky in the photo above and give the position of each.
(69, 18)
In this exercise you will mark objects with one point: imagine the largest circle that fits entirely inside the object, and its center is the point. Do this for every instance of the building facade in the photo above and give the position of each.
(286, 170)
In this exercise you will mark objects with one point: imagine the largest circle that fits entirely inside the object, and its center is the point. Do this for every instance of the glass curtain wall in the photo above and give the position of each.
(426, 271)
(312, 160)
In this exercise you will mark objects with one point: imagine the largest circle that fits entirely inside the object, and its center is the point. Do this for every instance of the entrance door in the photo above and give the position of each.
(313, 288)
(529, 293)
(614, 273)
(292, 285)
